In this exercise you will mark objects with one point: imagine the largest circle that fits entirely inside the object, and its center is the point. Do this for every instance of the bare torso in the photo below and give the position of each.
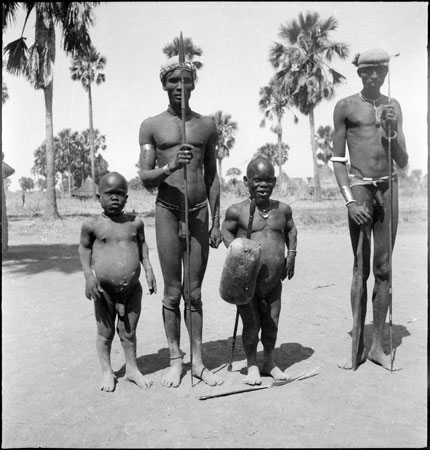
(115, 257)
(367, 156)
(270, 233)
(164, 131)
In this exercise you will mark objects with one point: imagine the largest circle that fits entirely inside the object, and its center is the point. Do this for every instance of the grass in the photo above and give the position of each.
(413, 208)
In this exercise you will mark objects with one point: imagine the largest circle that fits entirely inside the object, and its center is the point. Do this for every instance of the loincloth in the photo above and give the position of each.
(176, 208)
(179, 213)
(357, 180)
(377, 186)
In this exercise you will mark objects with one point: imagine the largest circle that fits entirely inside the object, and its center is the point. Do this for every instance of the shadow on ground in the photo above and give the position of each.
(217, 353)
(398, 333)
(33, 259)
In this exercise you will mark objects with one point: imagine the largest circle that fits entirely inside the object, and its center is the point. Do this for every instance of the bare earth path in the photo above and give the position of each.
(51, 375)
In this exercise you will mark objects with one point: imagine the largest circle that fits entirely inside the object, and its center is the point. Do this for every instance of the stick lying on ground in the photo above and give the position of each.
(302, 376)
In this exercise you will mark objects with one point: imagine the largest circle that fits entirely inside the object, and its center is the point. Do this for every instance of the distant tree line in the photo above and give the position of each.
(72, 158)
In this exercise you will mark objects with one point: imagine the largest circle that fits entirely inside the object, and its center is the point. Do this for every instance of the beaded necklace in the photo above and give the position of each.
(373, 102)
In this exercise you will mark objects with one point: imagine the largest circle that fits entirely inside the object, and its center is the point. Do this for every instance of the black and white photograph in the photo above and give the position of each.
(214, 224)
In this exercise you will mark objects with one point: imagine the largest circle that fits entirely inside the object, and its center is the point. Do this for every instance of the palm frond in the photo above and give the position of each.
(9, 10)
(16, 56)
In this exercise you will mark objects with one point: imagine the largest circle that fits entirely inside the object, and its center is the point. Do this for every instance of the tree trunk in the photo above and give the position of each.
(51, 200)
(4, 224)
(92, 150)
(69, 179)
(317, 186)
(220, 170)
(279, 133)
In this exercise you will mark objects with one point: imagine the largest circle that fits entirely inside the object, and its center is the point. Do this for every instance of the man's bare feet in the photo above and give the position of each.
(275, 372)
(380, 358)
(347, 362)
(208, 377)
(136, 377)
(253, 378)
(173, 376)
(108, 382)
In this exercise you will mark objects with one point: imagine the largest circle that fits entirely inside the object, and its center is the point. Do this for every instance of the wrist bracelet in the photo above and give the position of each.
(167, 169)
(347, 194)
(350, 201)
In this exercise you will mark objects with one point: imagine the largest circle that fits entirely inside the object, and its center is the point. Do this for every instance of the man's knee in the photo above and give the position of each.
(172, 298)
(382, 271)
(195, 299)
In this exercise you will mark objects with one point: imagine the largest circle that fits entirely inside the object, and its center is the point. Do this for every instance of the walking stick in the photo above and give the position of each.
(187, 239)
(236, 322)
(390, 228)
(357, 316)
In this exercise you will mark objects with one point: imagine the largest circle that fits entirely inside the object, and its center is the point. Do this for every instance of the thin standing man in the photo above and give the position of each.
(162, 159)
(363, 121)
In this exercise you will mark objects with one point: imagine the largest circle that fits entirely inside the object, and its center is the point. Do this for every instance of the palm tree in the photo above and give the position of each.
(303, 70)
(191, 50)
(226, 130)
(324, 143)
(87, 68)
(67, 147)
(271, 152)
(273, 104)
(37, 62)
(4, 93)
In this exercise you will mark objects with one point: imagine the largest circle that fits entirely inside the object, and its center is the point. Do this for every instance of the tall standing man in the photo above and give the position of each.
(363, 121)
(162, 159)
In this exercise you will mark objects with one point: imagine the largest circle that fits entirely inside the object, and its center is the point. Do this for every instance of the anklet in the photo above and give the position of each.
(176, 357)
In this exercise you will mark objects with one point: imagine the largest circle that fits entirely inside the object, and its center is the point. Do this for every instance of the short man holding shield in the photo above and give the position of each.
(161, 144)
(371, 125)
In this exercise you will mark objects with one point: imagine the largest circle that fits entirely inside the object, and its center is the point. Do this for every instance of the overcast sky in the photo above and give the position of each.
(235, 38)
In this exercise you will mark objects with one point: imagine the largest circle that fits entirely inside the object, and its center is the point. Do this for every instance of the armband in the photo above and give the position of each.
(347, 195)
(340, 159)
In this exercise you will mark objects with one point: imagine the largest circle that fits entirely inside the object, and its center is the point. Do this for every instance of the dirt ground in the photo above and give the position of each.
(51, 375)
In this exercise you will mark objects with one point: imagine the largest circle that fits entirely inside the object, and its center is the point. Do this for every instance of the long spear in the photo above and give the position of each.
(390, 226)
(187, 228)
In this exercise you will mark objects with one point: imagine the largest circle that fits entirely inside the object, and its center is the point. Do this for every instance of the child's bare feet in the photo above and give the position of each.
(253, 378)
(207, 377)
(108, 381)
(136, 377)
(173, 376)
(275, 372)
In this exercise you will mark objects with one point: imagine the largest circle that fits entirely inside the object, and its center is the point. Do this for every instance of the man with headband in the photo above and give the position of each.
(363, 121)
(162, 158)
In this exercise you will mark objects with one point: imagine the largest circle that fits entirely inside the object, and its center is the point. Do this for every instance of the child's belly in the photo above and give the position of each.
(117, 269)
(272, 262)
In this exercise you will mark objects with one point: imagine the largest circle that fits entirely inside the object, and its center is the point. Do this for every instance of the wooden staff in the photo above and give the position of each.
(358, 313)
(187, 281)
(390, 227)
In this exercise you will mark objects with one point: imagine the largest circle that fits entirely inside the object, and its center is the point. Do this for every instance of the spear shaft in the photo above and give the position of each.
(187, 228)
(390, 228)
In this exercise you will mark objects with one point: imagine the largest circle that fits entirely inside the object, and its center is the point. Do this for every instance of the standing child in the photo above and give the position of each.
(273, 227)
(112, 246)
